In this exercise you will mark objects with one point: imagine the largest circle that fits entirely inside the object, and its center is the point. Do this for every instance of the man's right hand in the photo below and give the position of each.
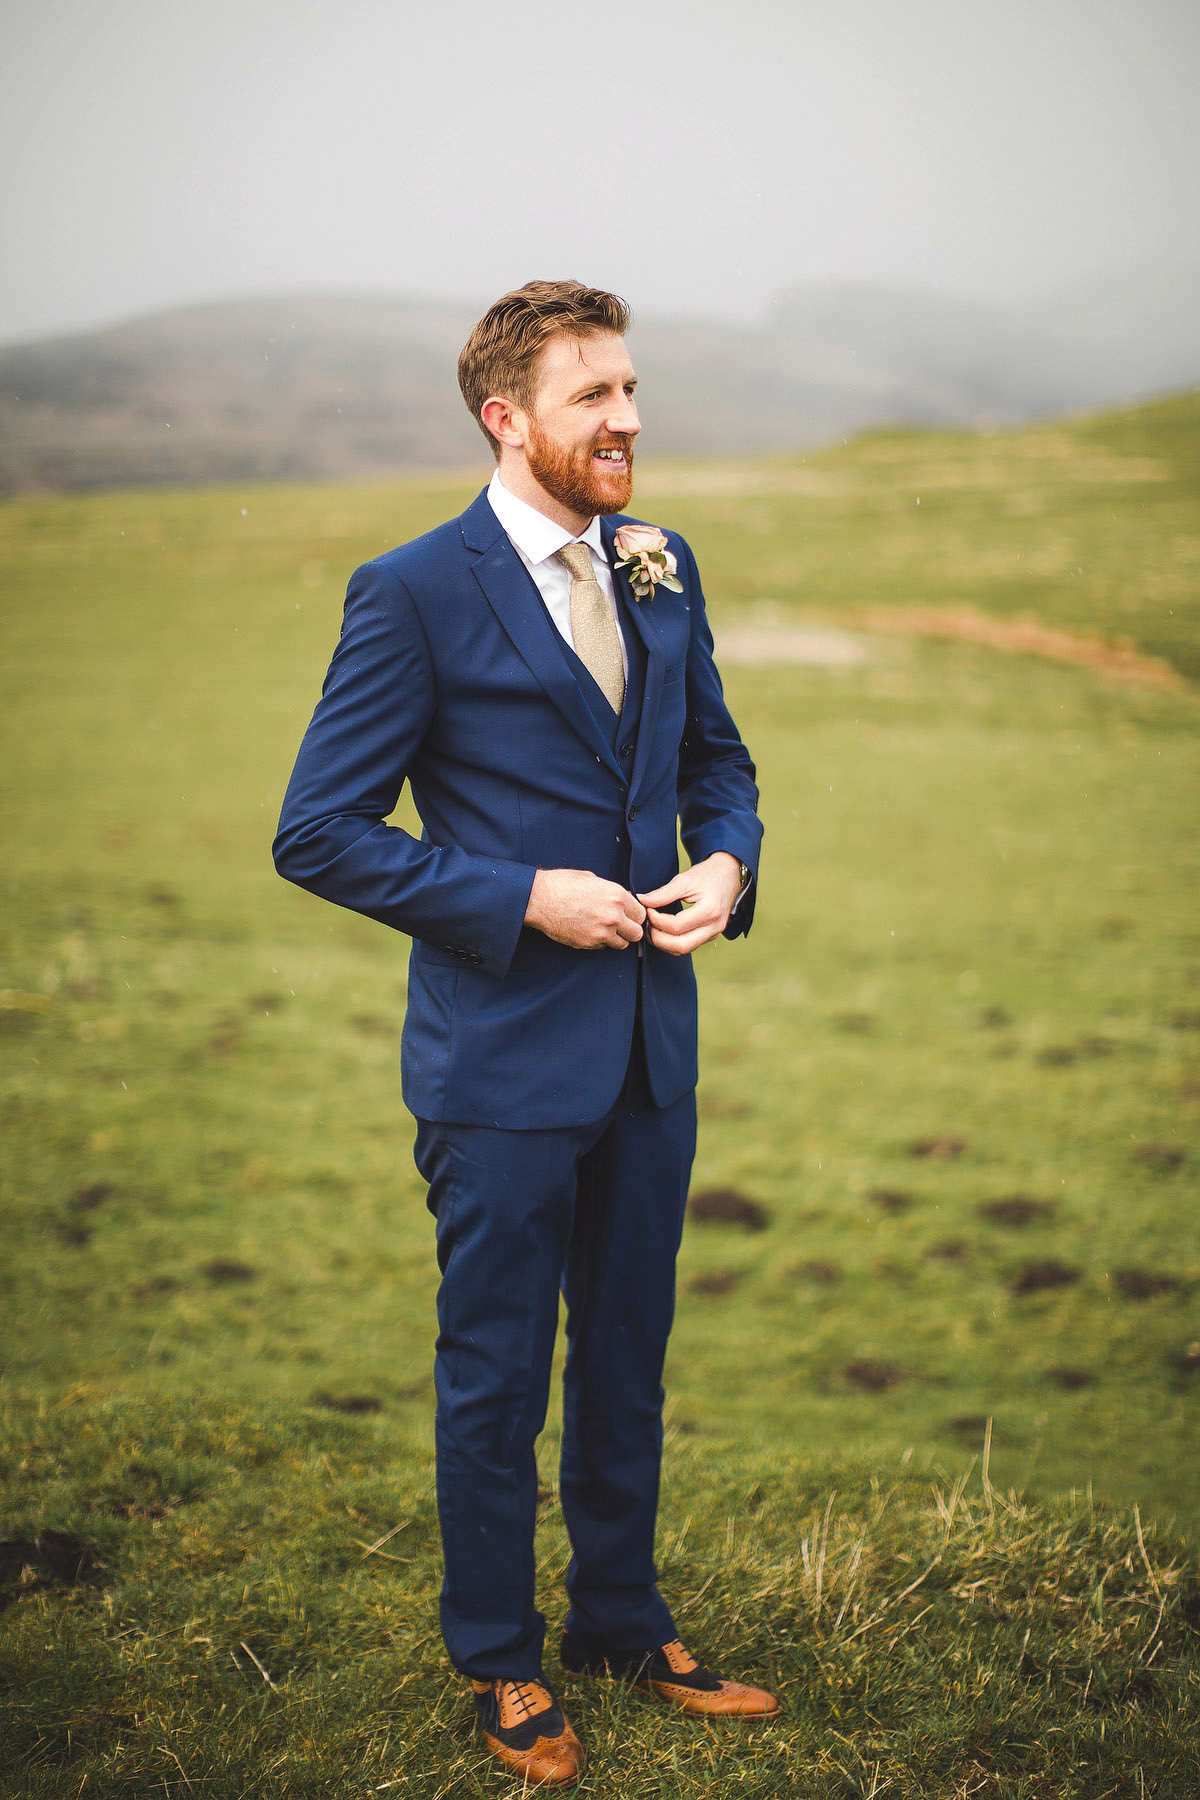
(577, 908)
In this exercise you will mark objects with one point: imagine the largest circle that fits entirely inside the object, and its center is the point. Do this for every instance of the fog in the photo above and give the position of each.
(697, 157)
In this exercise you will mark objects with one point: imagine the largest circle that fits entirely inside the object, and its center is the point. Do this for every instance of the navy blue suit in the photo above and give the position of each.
(553, 1087)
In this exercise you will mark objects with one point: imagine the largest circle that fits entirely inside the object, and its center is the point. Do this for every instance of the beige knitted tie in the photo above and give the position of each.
(593, 626)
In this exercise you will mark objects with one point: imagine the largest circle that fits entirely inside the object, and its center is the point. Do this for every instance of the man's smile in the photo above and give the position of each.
(614, 459)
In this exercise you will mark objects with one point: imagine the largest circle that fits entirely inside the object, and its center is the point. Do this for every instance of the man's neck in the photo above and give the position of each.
(517, 478)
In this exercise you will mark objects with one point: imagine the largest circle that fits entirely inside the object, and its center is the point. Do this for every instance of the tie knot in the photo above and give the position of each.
(578, 559)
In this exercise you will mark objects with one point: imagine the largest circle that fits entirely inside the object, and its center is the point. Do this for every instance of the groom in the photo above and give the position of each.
(541, 674)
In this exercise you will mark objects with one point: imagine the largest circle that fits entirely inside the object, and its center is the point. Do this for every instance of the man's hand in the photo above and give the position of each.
(708, 889)
(577, 908)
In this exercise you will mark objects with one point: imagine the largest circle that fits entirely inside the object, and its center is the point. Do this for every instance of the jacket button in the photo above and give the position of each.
(632, 814)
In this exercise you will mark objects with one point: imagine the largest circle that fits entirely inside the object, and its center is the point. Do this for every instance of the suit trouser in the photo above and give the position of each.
(595, 1210)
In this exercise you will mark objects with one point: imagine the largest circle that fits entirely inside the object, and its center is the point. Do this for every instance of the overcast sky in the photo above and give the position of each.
(696, 155)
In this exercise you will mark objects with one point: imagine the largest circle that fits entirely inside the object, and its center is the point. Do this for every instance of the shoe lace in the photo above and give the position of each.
(527, 1698)
(679, 1659)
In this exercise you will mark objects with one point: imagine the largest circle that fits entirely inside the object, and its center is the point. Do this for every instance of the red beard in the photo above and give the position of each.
(575, 479)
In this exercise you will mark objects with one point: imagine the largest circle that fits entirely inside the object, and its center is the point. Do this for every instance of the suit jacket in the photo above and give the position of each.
(451, 675)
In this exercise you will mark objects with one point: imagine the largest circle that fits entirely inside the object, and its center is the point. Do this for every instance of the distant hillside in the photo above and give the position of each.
(273, 389)
(304, 386)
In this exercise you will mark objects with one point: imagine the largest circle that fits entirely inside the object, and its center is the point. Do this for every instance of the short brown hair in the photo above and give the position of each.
(501, 354)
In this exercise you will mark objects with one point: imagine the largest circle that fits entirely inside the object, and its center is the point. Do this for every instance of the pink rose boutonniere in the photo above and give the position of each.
(643, 552)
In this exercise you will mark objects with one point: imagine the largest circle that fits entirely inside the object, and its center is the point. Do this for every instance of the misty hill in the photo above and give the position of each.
(302, 386)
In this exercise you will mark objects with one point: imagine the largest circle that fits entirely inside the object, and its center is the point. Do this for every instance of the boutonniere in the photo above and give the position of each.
(643, 552)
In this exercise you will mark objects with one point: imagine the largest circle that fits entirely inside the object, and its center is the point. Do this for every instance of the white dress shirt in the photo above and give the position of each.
(537, 541)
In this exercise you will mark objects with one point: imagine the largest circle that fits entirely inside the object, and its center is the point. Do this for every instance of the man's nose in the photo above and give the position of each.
(623, 419)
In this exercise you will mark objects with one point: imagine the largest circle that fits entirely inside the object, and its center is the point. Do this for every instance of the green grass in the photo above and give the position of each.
(1091, 525)
(977, 923)
(234, 1638)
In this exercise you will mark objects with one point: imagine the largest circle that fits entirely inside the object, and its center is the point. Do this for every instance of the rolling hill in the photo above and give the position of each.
(307, 386)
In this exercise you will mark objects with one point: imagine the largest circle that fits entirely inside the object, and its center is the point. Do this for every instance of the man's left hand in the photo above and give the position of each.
(708, 890)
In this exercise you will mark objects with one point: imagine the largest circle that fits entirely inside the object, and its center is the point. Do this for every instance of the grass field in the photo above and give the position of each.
(950, 1095)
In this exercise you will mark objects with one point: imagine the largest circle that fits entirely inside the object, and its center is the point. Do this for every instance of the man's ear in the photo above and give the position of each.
(504, 420)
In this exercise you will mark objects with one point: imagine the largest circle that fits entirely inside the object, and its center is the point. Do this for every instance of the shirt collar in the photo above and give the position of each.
(535, 536)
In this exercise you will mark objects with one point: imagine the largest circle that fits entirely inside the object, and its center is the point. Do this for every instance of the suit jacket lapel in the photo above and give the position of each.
(510, 592)
(642, 615)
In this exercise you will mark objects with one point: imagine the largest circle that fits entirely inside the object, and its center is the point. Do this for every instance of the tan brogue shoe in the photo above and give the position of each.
(676, 1677)
(525, 1729)
(672, 1674)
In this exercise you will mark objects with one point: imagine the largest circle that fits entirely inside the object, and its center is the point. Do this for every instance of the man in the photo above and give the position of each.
(553, 703)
